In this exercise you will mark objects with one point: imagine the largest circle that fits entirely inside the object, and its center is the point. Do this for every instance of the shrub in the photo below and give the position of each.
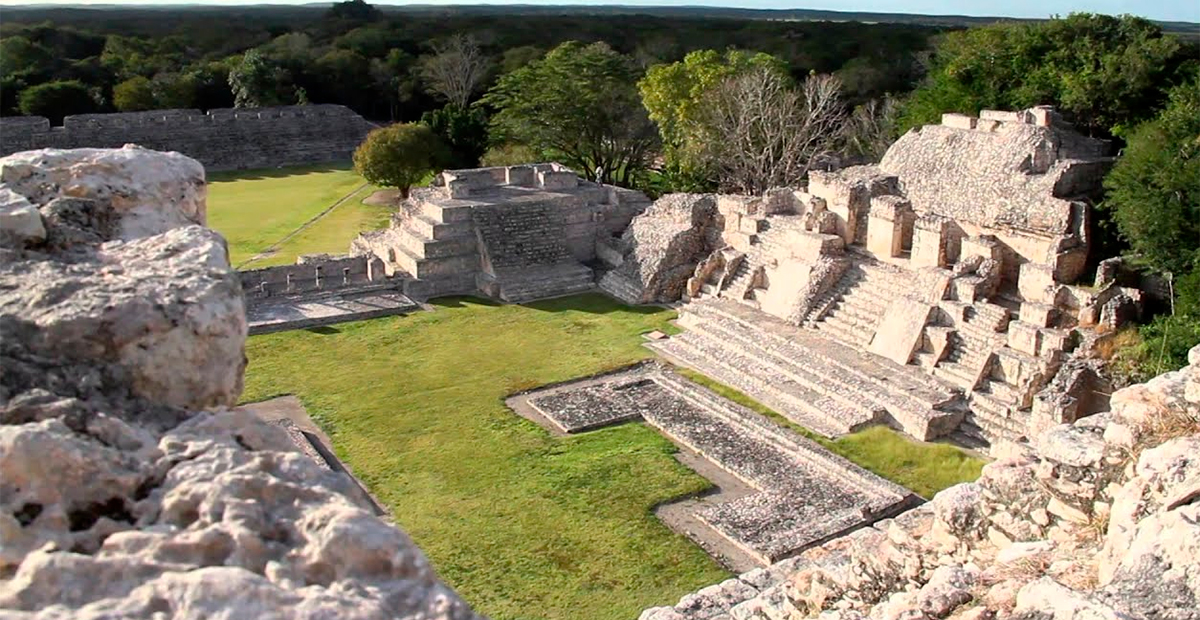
(399, 156)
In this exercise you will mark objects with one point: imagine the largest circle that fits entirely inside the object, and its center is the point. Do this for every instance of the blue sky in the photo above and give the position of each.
(1175, 10)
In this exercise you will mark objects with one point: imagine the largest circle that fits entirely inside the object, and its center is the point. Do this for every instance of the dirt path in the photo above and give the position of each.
(271, 249)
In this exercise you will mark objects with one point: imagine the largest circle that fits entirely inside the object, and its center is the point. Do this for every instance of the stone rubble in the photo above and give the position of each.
(127, 488)
(1099, 519)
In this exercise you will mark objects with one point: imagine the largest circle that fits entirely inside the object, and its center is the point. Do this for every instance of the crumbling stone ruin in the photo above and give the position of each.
(796, 493)
(224, 139)
(128, 488)
(936, 292)
(1095, 519)
(513, 233)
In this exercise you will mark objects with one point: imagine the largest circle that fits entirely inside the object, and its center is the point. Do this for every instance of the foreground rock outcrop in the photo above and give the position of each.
(127, 488)
(1096, 520)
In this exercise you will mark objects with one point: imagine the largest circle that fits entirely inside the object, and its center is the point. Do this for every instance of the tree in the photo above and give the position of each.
(399, 156)
(257, 82)
(54, 100)
(1153, 190)
(456, 69)
(578, 104)
(761, 133)
(134, 95)
(353, 11)
(20, 55)
(673, 93)
(463, 130)
(871, 129)
(1105, 73)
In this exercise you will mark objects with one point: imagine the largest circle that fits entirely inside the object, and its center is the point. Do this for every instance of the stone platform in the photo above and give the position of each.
(799, 494)
(299, 313)
(813, 380)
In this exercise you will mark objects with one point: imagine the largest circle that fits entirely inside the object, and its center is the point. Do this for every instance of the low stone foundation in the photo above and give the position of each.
(800, 494)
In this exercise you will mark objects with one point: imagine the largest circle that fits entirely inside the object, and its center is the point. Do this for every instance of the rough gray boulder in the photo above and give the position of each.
(662, 247)
(127, 488)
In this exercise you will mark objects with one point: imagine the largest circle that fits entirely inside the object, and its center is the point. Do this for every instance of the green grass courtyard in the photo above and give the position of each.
(524, 525)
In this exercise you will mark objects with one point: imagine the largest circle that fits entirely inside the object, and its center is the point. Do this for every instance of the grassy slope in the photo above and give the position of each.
(333, 233)
(258, 208)
(524, 525)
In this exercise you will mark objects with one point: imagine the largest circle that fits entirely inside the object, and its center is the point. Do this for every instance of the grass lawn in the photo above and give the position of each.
(923, 467)
(523, 524)
(255, 209)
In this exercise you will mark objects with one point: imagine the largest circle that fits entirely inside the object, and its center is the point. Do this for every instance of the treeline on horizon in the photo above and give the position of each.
(371, 61)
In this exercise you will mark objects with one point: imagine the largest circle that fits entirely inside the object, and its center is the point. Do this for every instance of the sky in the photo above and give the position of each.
(1171, 10)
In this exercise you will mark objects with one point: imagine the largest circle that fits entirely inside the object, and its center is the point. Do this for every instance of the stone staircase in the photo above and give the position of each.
(817, 383)
(435, 244)
(619, 286)
(851, 310)
(538, 282)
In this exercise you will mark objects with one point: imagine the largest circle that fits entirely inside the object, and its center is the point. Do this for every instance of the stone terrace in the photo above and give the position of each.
(805, 494)
(818, 383)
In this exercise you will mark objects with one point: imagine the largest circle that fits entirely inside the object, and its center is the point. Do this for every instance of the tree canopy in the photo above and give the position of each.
(54, 100)
(1154, 189)
(399, 156)
(1105, 73)
(578, 104)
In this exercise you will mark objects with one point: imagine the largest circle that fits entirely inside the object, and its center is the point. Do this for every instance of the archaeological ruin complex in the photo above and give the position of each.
(937, 292)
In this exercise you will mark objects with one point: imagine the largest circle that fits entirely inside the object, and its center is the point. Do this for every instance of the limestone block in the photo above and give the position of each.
(752, 225)
(19, 218)
(986, 246)
(900, 331)
(809, 247)
(149, 191)
(958, 121)
(552, 179)
(1036, 283)
(1042, 315)
(889, 226)
(1024, 337)
(986, 125)
(1000, 116)
(930, 238)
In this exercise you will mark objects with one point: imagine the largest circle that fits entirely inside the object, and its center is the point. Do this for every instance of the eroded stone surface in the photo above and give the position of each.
(1097, 521)
(127, 490)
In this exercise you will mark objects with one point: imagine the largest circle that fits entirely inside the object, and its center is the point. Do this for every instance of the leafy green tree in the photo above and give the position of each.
(578, 104)
(54, 100)
(399, 156)
(463, 130)
(257, 82)
(1153, 190)
(19, 55)
(1106, 73)
(174, 90)
(211, 82)
(134, 95)
(673, 93)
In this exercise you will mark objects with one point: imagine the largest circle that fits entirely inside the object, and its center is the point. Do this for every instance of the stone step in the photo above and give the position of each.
(429, 228)
(617, 285)
(906, 395)
(844, 330)
(435, 267)
(811, 377)
(427, 247)
(544, 282)
(786, 397)
(442, 212)
(957, 373)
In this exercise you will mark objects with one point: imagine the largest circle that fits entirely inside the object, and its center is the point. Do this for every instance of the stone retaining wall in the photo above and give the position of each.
(223, 139)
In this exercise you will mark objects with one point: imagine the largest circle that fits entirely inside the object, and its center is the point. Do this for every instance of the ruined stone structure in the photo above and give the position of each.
(225, 139)
(936, 291)
(515, 233)
(128, 489)
(1099, 519)
(794, 493)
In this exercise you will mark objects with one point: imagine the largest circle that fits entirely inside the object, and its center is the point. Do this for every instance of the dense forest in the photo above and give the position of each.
(371, 61)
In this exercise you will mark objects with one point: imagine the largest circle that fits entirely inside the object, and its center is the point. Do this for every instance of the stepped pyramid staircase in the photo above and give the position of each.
(850, 310)
(822, 385)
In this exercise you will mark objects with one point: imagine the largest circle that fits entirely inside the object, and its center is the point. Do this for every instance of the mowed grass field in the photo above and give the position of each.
(523, 524)
(256, 209)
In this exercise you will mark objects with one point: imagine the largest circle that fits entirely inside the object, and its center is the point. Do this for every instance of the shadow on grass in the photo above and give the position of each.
(324, 330)
(591, 303)
(276, 173)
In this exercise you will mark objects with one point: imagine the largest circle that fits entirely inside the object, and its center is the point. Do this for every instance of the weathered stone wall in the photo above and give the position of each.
(128, 489)
(1099, 519)
(223, 139)
(310, 274)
